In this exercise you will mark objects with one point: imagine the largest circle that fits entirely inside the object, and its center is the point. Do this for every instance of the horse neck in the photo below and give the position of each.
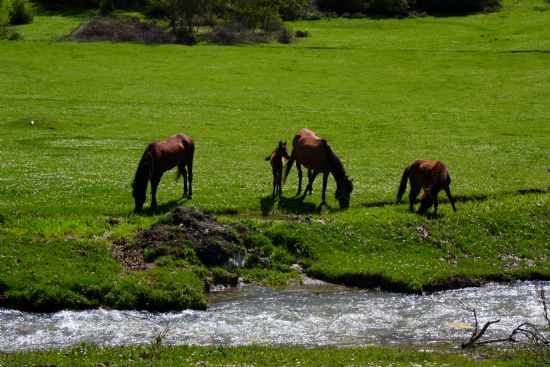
(336, 167)
(143, 172)
(436, 180)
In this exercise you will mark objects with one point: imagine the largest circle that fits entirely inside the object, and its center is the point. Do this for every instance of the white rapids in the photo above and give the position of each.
(315, 315)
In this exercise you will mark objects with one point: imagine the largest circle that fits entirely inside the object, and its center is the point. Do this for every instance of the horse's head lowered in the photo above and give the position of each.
(343, 192)
(139, 198)
(139, 186)
(426, 202)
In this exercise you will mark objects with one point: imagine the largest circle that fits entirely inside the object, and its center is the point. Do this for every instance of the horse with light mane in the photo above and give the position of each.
(432, 176)
(318, 157)
(277, 160)
(158, 158)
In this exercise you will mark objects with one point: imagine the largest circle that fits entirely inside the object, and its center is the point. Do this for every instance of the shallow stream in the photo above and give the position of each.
(314, 315)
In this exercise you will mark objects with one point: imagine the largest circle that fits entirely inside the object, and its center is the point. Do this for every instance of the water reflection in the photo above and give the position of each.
(306, 316)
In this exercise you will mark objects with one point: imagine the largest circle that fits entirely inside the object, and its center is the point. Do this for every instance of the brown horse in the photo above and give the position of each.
(158, 158)
(433, 177)
(277, 160)
(317, 156)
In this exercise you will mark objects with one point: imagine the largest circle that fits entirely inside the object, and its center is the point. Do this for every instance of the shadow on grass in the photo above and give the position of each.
(293, 205)
(164, 208)
(458, 198)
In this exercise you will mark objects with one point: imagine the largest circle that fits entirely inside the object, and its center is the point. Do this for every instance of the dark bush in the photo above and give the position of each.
(64, 4)
(388, 7)
(224, 34)
(456, 6)
(353, 8)
(301, 34)
(120, 30)
(232, 34)
(294, 9)
(342, 6)
(20, 13)
(286, 36)
(7, 32)
(358, 8)
(93, 4)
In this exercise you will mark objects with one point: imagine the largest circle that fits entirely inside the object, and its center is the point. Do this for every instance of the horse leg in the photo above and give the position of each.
(448, 192)
(325, 180)
(280, 183)
(299, 168)
(155, 179)
(310, 178)
(415, 190)
(274, 183)
(435, 203)
(190, 178)
(311, 175)
(184, 174)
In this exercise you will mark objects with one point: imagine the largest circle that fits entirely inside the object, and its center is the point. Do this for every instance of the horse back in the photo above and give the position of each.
(173, 151)
(311, 151)
(428, 174)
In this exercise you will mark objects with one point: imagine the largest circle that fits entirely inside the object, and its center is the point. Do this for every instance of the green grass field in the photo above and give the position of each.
(160, 355)
(471, 91)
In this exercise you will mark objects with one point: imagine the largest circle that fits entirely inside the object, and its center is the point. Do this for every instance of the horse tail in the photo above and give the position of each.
(402, 185)
(289, 165)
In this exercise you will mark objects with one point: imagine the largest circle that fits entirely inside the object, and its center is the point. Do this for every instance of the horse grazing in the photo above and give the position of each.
(433, 177)
(158, 158)
(318, 157)
(277, 160)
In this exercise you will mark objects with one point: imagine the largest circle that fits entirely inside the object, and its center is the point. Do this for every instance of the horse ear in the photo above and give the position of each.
(280, 143)
(284, 143)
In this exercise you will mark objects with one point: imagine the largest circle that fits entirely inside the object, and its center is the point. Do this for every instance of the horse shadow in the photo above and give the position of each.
(164, 208)
(293, 205)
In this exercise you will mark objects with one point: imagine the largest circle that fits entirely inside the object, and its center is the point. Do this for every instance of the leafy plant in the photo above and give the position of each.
(20, 13)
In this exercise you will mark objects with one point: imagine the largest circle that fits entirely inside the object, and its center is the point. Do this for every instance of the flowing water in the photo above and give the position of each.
(315, 315)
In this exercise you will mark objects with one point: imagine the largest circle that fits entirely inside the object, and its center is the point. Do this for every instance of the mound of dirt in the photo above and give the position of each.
(120, 29)
(188, 232)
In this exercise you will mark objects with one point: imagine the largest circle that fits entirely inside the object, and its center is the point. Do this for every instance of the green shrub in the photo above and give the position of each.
(294, 9)
(20, 13)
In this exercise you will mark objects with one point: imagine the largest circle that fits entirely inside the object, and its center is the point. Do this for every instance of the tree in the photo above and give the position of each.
(180, 15)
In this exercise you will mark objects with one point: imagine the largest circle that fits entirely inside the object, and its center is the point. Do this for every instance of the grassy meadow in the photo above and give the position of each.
(160, 355)
(472, 91)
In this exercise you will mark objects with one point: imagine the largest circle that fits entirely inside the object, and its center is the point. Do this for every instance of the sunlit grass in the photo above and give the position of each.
(471, 91)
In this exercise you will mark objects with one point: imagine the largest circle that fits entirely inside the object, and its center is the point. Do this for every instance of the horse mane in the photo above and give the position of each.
(337, 168)
(143, 173)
